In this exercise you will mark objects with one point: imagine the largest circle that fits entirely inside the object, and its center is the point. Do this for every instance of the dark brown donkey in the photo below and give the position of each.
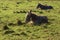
(44, 7)
(36, 19)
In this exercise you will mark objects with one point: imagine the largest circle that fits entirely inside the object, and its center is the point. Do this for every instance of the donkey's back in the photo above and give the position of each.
(41, 19)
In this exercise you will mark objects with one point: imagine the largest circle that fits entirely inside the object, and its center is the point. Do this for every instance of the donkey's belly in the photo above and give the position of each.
(37, 21)
(41, 19)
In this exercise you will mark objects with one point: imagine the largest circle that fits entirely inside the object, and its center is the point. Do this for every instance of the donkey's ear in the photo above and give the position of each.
(39, 4)
(30, 11)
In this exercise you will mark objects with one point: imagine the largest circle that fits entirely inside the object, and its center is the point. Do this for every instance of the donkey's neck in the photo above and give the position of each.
(33, 17)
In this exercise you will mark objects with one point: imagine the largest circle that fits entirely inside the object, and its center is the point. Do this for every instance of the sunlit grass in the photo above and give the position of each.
(10, 12)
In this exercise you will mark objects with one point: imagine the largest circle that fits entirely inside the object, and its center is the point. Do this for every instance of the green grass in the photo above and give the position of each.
(8, 15)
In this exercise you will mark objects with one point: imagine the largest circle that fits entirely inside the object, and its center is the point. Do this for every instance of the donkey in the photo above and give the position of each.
(35, 19)
(44, 7)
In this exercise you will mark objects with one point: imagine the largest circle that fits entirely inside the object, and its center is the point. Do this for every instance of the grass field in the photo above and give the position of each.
(11, 10)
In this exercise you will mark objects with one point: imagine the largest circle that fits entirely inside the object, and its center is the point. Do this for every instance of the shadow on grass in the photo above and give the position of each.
(9, 32)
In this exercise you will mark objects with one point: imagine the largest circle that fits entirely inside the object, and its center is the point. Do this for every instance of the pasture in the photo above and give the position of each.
(11, 10)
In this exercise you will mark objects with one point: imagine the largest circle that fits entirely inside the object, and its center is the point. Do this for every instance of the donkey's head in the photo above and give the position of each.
(39, 5)
(28, 16)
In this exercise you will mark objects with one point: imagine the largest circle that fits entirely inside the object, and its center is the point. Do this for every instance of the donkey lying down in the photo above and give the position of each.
(44, 7)
(35, 19)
